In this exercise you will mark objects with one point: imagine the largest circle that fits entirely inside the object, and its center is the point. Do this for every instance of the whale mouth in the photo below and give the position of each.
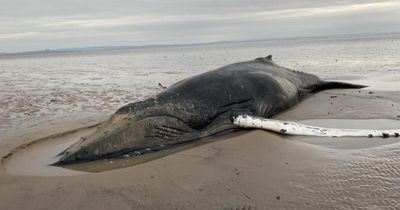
(123, 135)
(126, 135)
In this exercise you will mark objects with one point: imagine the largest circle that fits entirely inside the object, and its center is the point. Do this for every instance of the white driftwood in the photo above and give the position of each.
(291, 128)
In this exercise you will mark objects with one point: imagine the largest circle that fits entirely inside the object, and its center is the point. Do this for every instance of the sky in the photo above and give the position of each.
(27, 25)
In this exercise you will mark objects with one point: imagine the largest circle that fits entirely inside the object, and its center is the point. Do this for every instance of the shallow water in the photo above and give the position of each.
(36, 159)
(35, 86)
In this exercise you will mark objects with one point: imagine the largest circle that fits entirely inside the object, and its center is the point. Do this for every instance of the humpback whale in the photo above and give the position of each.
(197, 107)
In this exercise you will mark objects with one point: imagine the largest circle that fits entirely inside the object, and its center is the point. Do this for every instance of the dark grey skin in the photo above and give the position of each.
(198, 107)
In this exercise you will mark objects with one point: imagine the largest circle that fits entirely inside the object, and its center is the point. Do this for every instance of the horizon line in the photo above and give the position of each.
(127, 47)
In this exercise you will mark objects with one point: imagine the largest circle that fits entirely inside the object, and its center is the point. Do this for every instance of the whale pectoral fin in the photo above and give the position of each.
(292, 128)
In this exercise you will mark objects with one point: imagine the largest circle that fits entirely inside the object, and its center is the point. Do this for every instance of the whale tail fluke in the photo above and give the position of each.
(337, 85)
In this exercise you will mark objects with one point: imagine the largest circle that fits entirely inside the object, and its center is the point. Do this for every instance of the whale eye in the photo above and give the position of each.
(233, 117)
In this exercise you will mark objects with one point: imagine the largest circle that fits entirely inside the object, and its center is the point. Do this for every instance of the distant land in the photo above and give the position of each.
(114, 48)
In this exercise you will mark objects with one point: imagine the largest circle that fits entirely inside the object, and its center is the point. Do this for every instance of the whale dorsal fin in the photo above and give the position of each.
(267, 59)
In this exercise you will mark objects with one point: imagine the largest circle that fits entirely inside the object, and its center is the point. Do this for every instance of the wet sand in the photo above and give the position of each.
(251, 170)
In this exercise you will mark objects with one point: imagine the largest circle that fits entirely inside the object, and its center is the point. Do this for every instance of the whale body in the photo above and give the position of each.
(199, 107)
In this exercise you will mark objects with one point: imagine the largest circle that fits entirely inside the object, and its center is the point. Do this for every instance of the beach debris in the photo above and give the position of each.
(161, 86)
(292, 128)
(237, 171)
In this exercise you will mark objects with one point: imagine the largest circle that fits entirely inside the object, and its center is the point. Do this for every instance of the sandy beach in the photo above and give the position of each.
(252, 169)
(131, 105)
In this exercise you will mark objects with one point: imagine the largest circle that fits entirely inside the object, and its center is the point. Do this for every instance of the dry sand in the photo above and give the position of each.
(251, 170)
